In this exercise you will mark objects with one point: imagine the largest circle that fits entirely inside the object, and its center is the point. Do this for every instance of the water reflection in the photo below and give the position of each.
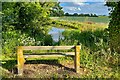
(56, 33)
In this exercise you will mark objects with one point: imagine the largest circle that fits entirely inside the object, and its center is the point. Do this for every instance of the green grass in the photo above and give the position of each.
(81, 23)
(100, 19)
(82, 26)
(98, 65)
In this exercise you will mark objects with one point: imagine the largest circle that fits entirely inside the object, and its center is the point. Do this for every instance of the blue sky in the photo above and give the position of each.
(84, 6)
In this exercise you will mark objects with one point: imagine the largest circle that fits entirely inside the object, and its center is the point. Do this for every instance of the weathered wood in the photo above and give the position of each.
(20, 59)
(77, 59)
(51, 53)
(42, 56)
(47, 47)
(69, 53)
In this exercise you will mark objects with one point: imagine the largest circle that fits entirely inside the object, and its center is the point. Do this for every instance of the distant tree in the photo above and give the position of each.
(91, 15)
(75, 14)
(94, 15)
(81, 15)
(67, 14)
(87, 15)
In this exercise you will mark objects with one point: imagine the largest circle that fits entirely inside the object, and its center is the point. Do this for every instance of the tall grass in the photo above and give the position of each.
(82, 26)
(100, 19)
(96, 58)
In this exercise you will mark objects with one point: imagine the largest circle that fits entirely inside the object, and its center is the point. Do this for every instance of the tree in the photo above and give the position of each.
(114, 25)
(67, 14)
(24, 23)
(57, 10)
(75, 14)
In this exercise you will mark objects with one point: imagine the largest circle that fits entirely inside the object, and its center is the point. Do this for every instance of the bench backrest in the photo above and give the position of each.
(46, 47)
(21, 60)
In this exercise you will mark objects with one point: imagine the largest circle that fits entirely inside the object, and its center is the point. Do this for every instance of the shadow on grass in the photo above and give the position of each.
(54, 62)
(11, 65)
(8, 64)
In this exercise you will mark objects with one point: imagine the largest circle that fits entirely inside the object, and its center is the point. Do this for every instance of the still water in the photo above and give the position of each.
(56, 33)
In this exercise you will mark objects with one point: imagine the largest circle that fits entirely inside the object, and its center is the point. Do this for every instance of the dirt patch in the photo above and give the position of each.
(48, 69)
(61, 70)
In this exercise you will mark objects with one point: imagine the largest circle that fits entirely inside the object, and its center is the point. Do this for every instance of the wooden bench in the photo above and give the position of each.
(21, 57)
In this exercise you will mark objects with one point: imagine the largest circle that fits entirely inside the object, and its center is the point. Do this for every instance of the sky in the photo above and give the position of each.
(84, 6)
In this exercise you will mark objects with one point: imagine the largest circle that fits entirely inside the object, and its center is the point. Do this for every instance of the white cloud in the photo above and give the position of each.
(79, 9)
(79, 1)
(71, 0)
(95, 8)
(73, 8)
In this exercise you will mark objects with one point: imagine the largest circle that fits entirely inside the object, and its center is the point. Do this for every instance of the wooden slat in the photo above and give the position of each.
(66, 53)
(42, 56)
(69, 53)
(77, 58)
(20, 59)
(21, 56)
(47, 47)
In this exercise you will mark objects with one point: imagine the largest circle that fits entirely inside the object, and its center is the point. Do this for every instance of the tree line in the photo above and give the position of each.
(81, 15)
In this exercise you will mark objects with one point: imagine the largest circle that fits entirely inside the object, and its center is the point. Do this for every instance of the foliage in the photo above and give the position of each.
(100, 64)
(29, 23)
(25, 40)
(25, 23)
(57, 10)
(9, 41)
(94, 40)
(114, 25)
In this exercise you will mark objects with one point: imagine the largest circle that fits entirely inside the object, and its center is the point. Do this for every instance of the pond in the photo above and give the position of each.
(56, 33)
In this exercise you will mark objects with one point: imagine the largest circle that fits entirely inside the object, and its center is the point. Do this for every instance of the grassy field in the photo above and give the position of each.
(100, 19)
(75, 23)
(94, 64)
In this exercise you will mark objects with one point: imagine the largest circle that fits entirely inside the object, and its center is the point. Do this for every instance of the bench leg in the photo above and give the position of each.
(20, 60)
(77, 59)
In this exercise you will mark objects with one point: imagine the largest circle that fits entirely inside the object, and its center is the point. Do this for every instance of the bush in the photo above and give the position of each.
(94, 40)
(9, 41)
(114, 25)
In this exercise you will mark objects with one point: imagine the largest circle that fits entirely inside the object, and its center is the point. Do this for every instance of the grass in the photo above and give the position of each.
(100, 19)
(93, 65)
(81, 23)
(82, 26)
(101, 64)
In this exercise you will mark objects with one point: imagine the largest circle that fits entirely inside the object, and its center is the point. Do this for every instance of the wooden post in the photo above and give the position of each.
(77, 59)
(20, 59)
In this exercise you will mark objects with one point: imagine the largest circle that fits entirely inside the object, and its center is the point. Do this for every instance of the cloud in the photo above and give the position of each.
(73, 8)
(96, 8)
(79, 1)
(71, 0)
(79, 9)
(89, 7)
(76, 2)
